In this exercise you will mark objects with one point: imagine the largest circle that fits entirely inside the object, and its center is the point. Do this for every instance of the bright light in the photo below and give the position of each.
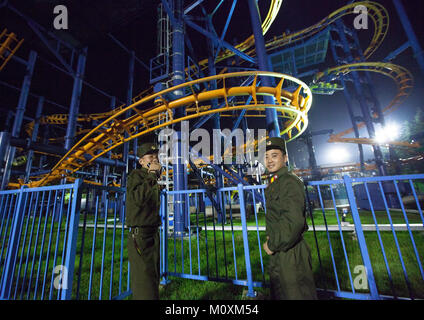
(337, 155)
(389, 133)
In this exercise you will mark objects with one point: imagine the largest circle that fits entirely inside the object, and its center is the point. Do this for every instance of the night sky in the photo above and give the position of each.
(134, 24)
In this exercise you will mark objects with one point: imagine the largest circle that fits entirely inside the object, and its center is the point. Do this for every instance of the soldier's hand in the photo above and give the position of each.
(155, 166)
(265, 245)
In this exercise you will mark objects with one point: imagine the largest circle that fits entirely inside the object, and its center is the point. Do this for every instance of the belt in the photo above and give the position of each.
(144, 231)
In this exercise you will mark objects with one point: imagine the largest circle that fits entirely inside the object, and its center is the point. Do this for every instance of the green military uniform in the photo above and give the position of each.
(142, 215)
(290, 267)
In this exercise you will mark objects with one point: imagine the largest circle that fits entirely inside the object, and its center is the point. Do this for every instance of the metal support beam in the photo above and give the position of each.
(410, 33)
(263, 64)
(126, 148)
(34, 138)
(20, 111)
(223, 43)
(178, 77)
(75, 100)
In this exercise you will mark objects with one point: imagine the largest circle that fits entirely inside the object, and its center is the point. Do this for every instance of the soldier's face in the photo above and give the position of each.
(275, 160)
(147, 159)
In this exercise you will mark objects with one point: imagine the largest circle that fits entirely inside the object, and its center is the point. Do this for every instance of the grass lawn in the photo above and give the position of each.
(318, 218)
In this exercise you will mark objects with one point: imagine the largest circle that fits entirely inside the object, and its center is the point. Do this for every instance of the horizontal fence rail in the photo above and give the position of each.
(366, 237)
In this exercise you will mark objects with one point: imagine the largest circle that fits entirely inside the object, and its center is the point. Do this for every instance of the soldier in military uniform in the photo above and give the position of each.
(290, 267)
(142, 216)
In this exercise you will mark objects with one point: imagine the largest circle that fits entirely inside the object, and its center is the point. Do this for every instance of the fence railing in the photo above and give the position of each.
(63, 242)
(70, 242)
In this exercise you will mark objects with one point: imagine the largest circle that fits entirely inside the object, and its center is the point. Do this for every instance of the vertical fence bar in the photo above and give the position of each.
(23, 242)
(311, 214)
(164, 215)
(361, 237)
(36, 242)
(49, 245)
(93, 248)
(122, 218)
(42, 244)
(417, 256)
(103, 250)
(396, 240)
(196, 195)
(187, 203)
(342, 239)
(61, 276)
(379, 239)
(72, 239)
(81, 261)
(59, 224)
(250, 292)
(257, 232)
(328, 237)
(113, 250)
(28, 248)
(206, 235)
(232, 235)
(416, 200)
(223, 219)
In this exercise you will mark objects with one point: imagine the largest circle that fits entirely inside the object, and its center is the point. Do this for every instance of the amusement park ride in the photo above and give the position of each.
(185, 89)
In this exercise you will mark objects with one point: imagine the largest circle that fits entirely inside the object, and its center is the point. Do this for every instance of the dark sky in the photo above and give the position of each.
(133, 22)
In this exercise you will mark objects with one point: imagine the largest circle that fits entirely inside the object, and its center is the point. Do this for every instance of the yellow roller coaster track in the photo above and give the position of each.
(63, 118)
(376, 12)
(110, 134)
(403, 79)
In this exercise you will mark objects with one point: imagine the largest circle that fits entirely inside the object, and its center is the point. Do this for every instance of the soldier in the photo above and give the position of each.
(142, 216)
(290, 267)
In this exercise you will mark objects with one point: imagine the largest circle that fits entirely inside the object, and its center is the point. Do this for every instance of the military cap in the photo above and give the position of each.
(276, 143)
(147, 148)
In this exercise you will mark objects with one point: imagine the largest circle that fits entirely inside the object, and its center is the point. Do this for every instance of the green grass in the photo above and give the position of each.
(318, 218)
(324, 275)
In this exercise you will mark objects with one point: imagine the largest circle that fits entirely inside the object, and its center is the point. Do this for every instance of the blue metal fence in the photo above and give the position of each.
(70, 242)
(63, 242)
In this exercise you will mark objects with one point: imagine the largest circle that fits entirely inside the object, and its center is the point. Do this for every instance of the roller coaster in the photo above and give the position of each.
(231, 93)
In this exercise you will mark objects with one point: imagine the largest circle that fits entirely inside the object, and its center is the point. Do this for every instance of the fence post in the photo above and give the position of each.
(12, 250)
(361, 237)
(250, 292)
(71, 241)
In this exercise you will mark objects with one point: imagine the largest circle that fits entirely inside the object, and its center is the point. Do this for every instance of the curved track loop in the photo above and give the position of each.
(402, 77)
(111, 132)
(376, 12)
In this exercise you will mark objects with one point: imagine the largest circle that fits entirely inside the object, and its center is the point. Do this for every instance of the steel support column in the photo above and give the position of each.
(20, 111)
(263, 64)
(34, 138)
(178, 77)
(75, 100)
(407, 26)
(127, 115)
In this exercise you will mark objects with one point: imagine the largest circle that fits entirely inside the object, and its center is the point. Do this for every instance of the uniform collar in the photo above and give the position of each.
(283, 171)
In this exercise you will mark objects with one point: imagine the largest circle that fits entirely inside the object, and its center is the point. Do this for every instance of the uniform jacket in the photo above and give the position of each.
(285, 211)
(142, 202)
